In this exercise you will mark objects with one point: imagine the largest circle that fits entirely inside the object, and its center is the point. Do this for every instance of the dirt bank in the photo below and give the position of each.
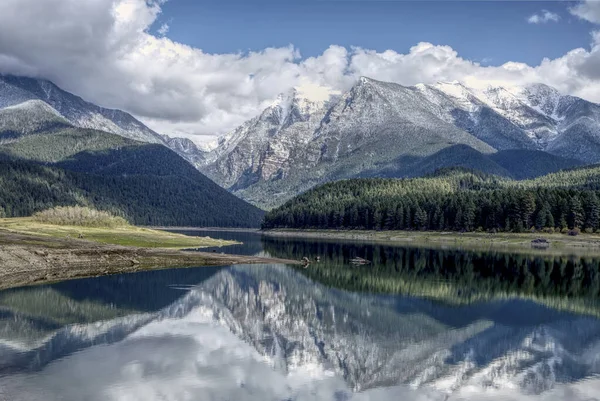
(587, 244)
(29, 259)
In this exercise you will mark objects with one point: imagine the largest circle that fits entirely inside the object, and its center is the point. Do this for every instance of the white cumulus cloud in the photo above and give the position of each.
(103, 51)
(164, 29)
(588, 10)
(543, 17)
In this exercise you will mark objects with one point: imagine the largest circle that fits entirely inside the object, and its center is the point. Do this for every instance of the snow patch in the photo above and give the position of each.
(32, 105)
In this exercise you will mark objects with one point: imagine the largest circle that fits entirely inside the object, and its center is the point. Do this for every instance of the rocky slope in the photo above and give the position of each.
(21, 92)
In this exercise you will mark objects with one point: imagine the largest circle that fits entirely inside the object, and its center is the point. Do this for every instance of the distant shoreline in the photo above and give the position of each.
(174, 228)
(559, 243)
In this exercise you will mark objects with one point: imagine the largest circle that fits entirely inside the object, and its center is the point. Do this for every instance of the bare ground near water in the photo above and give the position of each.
(28, 259)
(561, 244)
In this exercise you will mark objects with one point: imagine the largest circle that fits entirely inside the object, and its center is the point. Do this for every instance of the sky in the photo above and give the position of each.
(491, 31)
(199, 68)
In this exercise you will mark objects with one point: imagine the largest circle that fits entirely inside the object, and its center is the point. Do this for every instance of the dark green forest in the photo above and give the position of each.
(147, 184)
(449, 200)
(27, 187)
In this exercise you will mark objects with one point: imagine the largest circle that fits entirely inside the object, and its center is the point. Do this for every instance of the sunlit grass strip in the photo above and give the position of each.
(79, 216)
(123, 235)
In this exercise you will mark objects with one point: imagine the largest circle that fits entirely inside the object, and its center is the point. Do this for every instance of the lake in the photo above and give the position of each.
(414, 324)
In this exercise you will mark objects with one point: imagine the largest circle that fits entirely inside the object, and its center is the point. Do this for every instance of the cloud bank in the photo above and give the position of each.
(103, 51)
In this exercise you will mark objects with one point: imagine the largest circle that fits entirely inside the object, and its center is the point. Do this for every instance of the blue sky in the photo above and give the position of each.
(492, 32)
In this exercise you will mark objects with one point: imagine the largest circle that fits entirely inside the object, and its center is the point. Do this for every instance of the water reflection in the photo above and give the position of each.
(273, 332)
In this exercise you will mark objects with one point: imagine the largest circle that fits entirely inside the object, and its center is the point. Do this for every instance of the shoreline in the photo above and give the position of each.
(559, 243)
(30, 260)
(180, 228)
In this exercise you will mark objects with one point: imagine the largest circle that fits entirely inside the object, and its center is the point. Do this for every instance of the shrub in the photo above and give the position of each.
(574, 232)
(589, 230)
(79, 216)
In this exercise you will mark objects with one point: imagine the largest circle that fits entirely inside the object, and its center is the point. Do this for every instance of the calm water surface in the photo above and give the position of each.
(416, 324)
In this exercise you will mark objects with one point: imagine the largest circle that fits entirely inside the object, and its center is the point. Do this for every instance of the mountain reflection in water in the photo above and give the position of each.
(419, 324)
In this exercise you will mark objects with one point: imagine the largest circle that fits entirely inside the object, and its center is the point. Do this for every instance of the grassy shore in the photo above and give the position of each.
(559, 243)
(123, 235)
(37, 253)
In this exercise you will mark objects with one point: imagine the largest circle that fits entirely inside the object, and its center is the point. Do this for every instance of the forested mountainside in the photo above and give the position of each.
(143, 199)
(514, 163)
(49, 162)
(380, 129)
(57, 149)
(454, 199)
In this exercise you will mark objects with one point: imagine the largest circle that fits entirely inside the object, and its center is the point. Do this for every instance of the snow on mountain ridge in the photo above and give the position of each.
(509, 103)
(32, 105)
(15, 90)
(304, 135)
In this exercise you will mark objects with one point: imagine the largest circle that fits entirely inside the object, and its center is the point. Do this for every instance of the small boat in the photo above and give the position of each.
(360, 261)
(541, 243)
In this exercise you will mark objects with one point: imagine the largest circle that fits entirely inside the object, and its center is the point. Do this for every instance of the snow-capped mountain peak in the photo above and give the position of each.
(301, 102)
(541, 98)
(463, 96)
(312, 134)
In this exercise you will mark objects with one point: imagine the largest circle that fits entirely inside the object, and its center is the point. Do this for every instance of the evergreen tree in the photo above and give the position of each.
(592, 210)
(576, 216)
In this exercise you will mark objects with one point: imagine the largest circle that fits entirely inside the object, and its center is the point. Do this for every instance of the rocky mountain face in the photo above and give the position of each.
(187, 149)
(267, 146)
(385, 129)
(21, 96)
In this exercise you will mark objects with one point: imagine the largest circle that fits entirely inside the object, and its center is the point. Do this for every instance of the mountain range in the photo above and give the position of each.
(389, 130)
(376, 129)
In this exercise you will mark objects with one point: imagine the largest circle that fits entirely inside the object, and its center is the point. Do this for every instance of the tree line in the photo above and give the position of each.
(454, 200)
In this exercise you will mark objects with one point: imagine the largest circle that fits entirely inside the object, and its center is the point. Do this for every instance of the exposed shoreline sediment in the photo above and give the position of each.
(29, 259)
